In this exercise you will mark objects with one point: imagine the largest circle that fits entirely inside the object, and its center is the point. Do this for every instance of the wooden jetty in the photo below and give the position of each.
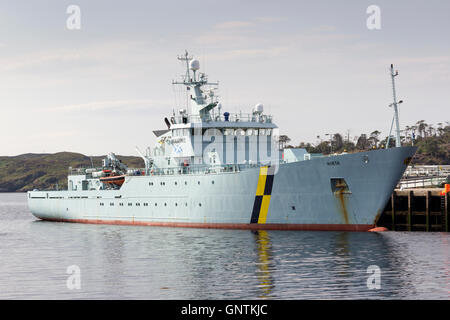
(417, 210)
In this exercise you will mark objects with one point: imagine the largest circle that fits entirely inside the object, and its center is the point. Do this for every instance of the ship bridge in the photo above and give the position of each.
(203, 133)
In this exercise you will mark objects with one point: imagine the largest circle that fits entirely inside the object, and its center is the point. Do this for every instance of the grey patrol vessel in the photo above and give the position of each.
(214, 169)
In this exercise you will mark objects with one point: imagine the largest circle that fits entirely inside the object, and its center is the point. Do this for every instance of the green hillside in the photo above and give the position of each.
(43, 171)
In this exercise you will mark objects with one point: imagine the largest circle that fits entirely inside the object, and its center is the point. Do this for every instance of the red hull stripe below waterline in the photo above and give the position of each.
(245, 226)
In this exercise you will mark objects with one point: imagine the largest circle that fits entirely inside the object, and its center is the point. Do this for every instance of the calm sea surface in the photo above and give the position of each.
(127, 262)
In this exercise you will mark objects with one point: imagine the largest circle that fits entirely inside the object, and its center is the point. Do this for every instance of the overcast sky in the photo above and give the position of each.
(314, 65)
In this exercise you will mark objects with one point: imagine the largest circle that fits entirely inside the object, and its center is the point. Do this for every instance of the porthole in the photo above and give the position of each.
(199, 204)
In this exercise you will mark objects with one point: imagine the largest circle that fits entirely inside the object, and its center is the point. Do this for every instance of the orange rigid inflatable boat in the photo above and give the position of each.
(116, 180)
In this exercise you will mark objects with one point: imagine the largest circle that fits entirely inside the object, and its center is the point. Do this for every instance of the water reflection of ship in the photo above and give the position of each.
(265, 263)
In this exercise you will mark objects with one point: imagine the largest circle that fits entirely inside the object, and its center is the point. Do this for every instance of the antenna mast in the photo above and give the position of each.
(394, 104)
(186, 58)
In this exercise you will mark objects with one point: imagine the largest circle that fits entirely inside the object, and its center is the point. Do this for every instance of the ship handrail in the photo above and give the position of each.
(169, 171)
(232, 117)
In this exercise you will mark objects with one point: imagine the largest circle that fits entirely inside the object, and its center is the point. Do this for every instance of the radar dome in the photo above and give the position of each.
(194, 65)
(258, 108)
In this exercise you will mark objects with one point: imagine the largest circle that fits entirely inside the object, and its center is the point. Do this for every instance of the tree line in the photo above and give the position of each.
(433, 142)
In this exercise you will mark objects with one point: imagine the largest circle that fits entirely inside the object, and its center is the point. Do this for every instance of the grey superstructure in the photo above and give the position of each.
(213, 169)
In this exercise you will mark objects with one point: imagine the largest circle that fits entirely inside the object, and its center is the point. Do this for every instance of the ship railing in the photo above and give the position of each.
(191, 169)
(232, 117)
(83, 171)
(196, 169)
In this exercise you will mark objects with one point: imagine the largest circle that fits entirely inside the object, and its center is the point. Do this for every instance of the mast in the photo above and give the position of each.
(200, 107)
(394, 104)
(186, 58)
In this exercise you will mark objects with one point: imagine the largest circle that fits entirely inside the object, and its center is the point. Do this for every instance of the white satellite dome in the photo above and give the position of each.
(194, 65)
(259, 108)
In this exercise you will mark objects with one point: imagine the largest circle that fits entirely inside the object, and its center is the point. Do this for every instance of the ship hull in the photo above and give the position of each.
(291, 196)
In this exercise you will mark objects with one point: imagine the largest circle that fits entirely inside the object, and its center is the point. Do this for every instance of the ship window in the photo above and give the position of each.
(111, 203)
(130, 204)
(339, 186)
(185, 182)
(199, 204)
(176, 183)
(199, 182)
(176, 204)
(165, 204)
(156, 204)
(150, 183)
(212, 182)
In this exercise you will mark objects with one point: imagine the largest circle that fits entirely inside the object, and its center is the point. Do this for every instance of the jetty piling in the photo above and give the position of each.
(417, 210)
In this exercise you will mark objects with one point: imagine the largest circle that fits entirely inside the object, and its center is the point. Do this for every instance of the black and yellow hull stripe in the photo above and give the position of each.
(263, 194)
